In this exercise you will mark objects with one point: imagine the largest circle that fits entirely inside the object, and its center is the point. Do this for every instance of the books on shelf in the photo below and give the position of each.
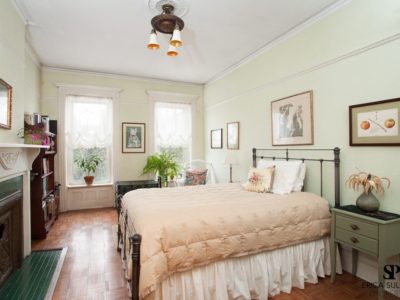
(46, 167)
(45, 184)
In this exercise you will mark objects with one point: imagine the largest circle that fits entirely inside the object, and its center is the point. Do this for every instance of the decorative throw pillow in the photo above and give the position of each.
(285, 176)
(196, 177)
(260, 180)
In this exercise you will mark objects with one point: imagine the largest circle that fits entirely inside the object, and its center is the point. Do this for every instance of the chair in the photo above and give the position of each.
(198, 164)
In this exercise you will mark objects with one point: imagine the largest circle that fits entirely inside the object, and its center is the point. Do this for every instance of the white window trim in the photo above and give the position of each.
(159, 96)
(65, 90)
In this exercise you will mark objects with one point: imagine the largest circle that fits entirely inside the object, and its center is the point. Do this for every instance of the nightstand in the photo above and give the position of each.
(372, 233)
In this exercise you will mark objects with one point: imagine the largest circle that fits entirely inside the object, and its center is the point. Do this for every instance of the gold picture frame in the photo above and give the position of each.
(292, 120)
(232, 135)
(5, 104)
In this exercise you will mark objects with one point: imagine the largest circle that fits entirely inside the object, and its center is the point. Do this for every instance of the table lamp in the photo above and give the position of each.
(230, 159)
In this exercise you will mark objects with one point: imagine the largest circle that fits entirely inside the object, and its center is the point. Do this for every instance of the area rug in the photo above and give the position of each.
(37, 277)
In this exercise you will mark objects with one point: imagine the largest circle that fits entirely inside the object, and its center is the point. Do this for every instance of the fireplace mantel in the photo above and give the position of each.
(15, 160)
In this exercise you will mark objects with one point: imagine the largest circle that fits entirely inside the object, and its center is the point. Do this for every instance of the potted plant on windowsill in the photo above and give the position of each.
(163, 164)
(88, 164)
(367, 201)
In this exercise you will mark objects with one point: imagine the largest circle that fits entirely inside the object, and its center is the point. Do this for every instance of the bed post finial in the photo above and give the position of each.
(254, 158)
(135, 241)
(336, 152)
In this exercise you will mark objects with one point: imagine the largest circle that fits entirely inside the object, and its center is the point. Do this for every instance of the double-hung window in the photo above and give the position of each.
(88, 131)
(173, 128)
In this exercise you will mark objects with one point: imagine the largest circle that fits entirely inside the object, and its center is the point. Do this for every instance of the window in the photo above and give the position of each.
(88, 130)
(173, 129)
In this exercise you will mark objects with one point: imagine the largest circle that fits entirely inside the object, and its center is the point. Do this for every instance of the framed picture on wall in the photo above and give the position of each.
(133, 137)
(232, 135)
(375, 123)
(5, 104)
(216, 138)
(292, 120)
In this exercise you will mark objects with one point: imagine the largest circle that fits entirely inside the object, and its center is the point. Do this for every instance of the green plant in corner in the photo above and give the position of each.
(162, 164)
(88, 163)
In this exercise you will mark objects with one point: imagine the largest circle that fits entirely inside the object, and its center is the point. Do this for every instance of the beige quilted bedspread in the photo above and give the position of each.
(186, 227)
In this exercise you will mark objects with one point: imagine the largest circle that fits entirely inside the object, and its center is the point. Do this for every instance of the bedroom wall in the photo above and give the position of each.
(18, 68)
(349, 57)
(133, 107)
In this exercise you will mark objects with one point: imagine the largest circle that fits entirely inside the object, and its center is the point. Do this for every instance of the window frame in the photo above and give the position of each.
(158, 96)
(65, 90)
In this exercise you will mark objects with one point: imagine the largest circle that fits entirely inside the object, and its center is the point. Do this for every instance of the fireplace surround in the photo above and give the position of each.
(11, 241)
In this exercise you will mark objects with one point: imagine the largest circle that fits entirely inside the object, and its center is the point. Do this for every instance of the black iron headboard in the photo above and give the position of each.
(335, 161)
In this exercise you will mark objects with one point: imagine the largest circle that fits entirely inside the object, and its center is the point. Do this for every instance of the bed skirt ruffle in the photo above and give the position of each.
(251, 277)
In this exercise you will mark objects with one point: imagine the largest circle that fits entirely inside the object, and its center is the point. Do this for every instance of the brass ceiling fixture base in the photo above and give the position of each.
(167, 21)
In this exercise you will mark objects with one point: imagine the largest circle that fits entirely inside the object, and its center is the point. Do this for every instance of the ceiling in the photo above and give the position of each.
(110, 36)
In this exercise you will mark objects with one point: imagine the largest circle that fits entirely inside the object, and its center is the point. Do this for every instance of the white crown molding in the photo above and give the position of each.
(20, 11)
(321, 65)
(119, 76)
(279, 40)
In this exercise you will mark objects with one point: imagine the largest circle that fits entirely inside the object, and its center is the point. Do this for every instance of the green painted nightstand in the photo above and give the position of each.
(373, 233)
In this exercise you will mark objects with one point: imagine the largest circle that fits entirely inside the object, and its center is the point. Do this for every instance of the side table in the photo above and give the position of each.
(372, 233)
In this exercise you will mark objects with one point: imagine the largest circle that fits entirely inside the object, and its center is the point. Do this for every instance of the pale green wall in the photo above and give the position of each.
(17, 69)
(245, 94)
(133, 107)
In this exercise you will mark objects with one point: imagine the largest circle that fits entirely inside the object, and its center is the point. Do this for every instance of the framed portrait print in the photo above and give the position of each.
(292, 120)
(375, 123)
(216, 138)
(232, 135)
(5, 104)
(133, 138)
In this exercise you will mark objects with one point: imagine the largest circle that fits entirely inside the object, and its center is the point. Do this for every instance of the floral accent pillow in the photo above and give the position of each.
(260, 180)
(196, 177)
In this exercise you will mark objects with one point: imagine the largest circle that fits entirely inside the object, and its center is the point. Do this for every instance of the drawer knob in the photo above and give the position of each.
(354, 240)
(354, 227)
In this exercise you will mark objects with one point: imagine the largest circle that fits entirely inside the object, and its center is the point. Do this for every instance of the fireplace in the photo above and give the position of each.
(11, 241)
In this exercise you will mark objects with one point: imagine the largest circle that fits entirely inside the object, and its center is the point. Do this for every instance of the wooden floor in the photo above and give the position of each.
(92, 268)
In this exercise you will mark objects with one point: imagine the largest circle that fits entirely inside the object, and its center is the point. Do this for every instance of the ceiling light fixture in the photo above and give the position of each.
(166, 23)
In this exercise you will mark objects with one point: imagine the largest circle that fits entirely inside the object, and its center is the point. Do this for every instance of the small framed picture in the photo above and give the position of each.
(232, 135)
(375, 123)
(292, 120)
(133, 137)
(216, 138)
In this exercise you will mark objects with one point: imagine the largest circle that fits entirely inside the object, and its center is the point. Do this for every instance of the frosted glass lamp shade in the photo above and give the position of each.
(172, 51)
(153, 43)
(231, 159)
(176, 40)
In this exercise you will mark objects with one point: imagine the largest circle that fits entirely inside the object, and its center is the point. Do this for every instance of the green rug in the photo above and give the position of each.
(37, 277)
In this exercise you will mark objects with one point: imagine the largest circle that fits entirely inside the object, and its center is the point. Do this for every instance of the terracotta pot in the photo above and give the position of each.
(89, 180)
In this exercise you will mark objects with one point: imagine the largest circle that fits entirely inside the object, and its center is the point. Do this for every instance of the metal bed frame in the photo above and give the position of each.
(135, 239)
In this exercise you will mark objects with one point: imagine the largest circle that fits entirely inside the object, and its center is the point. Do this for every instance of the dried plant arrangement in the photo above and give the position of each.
(368, 181)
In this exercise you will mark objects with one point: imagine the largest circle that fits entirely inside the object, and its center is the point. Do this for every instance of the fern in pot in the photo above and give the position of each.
(88, 164)
(164, 165)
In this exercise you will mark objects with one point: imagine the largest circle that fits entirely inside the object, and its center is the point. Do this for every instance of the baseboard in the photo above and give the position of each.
(367, 268)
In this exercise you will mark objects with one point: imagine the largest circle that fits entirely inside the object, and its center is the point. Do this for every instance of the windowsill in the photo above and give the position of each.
(80, 186)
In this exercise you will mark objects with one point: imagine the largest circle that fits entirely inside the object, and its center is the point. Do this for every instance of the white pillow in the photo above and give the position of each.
(286, 174)
(298, 186)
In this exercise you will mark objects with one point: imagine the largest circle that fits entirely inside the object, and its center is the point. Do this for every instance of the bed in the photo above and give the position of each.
(222, 242)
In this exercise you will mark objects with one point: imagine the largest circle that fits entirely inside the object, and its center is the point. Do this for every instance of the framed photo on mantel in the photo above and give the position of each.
(375, 123)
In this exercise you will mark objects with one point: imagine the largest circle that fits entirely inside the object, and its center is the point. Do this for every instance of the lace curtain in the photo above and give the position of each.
(173, 128)
(88, 130)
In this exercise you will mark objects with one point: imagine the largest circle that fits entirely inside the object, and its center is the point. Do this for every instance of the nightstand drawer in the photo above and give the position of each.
(357, 240)
(357, 226)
